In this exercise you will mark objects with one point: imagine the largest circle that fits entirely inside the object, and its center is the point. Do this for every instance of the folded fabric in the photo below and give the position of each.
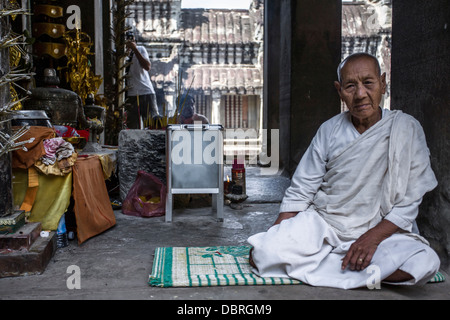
(56, 149)
(64, 151)
(58, 168)
(51, 145)
(35, 150)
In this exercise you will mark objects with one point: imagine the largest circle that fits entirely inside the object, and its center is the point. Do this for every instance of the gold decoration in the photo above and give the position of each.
(14, 42)
(17, 105)
(14, 56)
(81, 78)
(14, 5)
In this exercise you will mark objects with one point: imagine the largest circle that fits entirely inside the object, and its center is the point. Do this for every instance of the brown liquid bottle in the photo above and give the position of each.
(238, 174)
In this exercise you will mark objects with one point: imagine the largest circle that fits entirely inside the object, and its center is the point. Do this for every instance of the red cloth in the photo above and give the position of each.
(84, 134)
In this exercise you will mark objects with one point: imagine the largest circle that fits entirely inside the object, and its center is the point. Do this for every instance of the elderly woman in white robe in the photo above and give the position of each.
(348, 218)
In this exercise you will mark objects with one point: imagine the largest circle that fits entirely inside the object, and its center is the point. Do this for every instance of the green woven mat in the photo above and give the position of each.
(211, 266)
(206, 266)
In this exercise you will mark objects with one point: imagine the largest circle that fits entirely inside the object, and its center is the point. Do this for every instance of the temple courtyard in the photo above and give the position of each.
(117, 263)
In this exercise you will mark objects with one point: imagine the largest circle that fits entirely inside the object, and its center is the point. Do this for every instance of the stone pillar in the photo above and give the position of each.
(222, 53)
(303, 51)
(6, 200)
(315, 52)
(197, 54)
(175, 7)
(238, 54)
(420, 87)
(215, 107)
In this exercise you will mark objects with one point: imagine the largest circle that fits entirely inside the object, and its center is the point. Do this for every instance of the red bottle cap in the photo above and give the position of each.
(237, 164)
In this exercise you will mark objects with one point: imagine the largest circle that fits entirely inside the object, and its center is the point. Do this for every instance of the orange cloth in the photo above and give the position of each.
(93, 210)
(33, 185)
(25, 159)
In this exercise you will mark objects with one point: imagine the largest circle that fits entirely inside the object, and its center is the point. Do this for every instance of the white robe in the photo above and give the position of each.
(345, 184)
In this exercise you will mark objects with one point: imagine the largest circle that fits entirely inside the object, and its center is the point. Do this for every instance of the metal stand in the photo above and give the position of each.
(194, 160)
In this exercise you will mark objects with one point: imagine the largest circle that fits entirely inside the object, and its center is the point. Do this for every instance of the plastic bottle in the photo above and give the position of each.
(238, 174)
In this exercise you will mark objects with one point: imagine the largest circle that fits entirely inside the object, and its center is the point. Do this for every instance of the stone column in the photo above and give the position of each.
(215, 107)
(420, 87)
(6, 199)
(303, 51)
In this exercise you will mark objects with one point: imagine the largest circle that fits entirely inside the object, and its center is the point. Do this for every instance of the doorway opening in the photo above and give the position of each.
(211, 50)
(367, 27)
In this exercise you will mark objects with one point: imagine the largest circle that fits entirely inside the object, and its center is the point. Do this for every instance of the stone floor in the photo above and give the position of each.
(116, 264)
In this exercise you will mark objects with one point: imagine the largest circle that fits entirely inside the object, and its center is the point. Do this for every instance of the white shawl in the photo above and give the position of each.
(387, 166)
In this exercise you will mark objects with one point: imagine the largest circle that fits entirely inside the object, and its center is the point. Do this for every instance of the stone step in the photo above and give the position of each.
(23, 238)
(27, 262)
(11, 223)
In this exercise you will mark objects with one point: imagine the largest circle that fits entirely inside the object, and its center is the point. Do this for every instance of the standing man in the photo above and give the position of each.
(141, 93)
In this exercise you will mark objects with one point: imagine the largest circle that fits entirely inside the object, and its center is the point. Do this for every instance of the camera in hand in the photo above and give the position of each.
(129, 35)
